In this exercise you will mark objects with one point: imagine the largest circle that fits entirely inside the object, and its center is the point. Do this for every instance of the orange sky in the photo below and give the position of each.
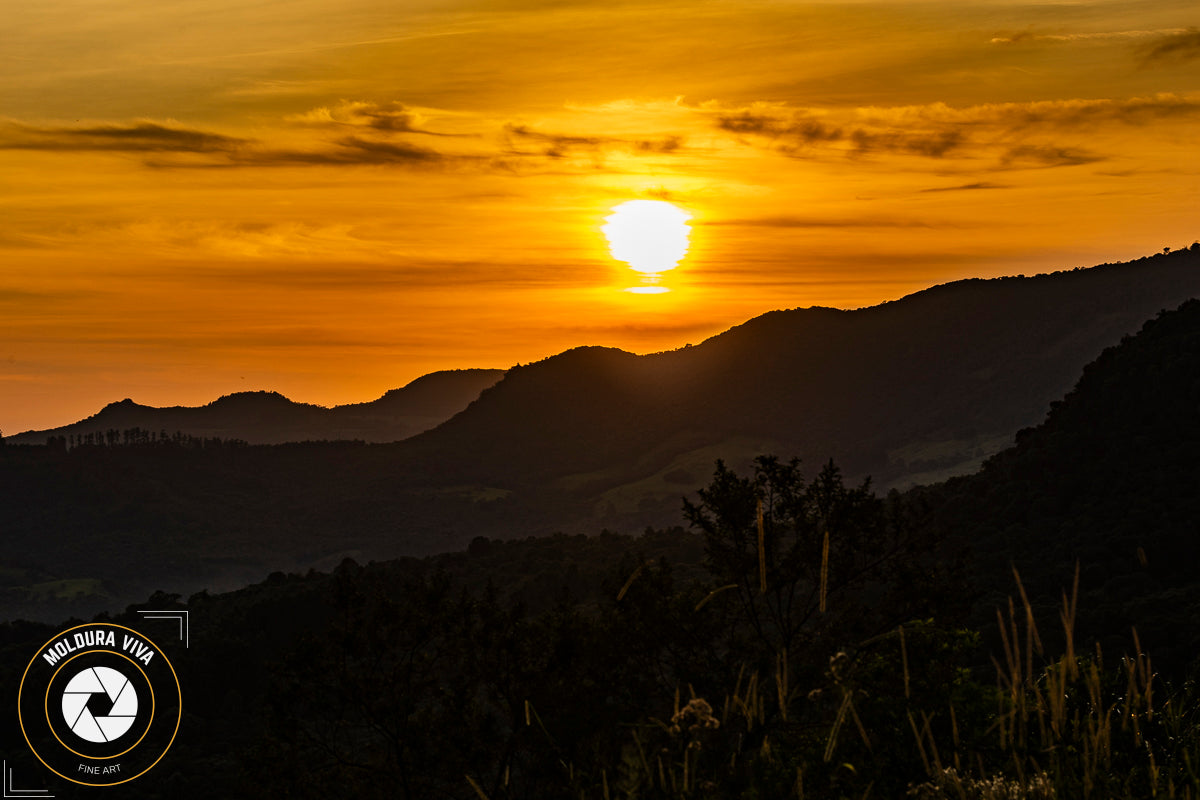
(329, 199)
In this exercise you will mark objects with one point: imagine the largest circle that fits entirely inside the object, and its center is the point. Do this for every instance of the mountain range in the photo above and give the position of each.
(265, 417)
(909, 392)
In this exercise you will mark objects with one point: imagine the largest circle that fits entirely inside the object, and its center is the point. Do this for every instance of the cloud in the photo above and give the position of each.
(1170, 45)
(160, 142)
(802, 128)
(1030, 155)
(140, 137)
(667, 144)
(930, 145)
(347, 150)
(390, 117)
(1014, 38)
(1178, 46)
(557, 145)
(1067, 38)
(358, 133)
(1036, 134)
(1077, 113)
(821, 222)
(967, 187)
(993, 121)
(799, 131)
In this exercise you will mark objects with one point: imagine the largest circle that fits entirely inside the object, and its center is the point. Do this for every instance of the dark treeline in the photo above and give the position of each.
(131, 437)
(679, 663)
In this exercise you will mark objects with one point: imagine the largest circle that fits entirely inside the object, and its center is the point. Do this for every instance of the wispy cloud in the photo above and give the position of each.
(390, 117)
(1032, 155)
(348, 150)
(558, 145)
(138, 137)
(1177, 46)
(347, 134)
(158, 142)
(933, 144)
(1008, 135)
(799, 127)
(1078, 113)
(797, 133)
(822, 222)
(1067, 38)
(966, 187)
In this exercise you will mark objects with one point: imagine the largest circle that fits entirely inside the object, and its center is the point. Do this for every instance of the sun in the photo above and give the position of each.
(651, 236)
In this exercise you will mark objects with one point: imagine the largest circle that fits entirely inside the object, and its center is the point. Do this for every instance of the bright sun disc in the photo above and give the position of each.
(651, 236)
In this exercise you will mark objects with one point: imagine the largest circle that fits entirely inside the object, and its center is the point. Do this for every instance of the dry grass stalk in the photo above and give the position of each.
(1059, 723)
(762, 550)
(478, 789)
(824, 570)
(783, 696)
(628, 583)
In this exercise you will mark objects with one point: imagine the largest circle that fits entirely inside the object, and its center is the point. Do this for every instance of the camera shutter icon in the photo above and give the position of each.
(99, 704)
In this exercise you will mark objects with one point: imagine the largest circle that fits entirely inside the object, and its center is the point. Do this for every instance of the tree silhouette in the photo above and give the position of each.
(807, 562)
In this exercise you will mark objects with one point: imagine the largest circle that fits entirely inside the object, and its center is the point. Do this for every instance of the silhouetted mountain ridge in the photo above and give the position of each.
(265, 417)
(908, 391)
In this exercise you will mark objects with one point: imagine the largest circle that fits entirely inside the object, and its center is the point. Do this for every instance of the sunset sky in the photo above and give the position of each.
(330, 198)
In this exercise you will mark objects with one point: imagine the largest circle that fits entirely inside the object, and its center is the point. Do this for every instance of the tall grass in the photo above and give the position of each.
(1064, 725)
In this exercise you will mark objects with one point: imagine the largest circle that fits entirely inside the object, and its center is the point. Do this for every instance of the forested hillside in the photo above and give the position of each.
(1110, 480)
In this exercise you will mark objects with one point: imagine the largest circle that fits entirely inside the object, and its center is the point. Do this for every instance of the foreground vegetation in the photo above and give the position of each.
(804, 639)
(802, 665)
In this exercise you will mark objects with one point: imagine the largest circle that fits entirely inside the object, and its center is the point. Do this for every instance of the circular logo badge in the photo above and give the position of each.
(99, 704)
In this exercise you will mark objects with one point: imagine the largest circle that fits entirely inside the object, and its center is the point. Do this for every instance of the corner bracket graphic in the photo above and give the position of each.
(12, 791)
(184, 622)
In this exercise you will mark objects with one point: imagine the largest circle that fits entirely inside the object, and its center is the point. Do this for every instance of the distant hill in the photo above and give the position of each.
(270, 418)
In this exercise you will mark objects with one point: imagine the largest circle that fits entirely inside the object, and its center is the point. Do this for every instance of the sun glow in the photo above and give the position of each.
(651, 236)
